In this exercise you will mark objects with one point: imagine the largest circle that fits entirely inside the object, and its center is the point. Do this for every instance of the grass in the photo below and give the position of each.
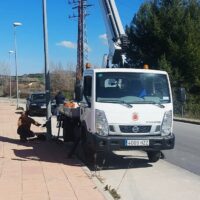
(113, 192)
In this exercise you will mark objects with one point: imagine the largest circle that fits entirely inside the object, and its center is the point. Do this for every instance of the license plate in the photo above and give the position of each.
(136, 142)
(43, 106)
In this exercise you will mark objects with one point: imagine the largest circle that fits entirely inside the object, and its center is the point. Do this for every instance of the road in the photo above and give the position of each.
(187, 149)
(175, 177)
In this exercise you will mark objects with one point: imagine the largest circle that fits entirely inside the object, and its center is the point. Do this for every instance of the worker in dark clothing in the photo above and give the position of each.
(59, 98)
(59, 101)
(24, 126)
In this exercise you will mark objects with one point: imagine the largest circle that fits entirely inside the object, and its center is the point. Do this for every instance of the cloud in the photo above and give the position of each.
(104, 38)
(67, 44)
(71, 45)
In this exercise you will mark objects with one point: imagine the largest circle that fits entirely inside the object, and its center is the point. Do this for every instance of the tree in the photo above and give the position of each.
(166, 32)
(62, 80)
(4, 78)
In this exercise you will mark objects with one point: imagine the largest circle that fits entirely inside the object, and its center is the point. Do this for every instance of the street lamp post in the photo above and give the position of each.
(47, 72)
(15, 24)
(10, 52)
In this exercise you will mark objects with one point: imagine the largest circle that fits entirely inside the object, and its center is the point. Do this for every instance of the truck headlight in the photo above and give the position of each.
(102, 127)
(166, 127)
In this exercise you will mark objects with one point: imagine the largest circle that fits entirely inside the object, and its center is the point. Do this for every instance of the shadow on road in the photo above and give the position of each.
(56, 151)
(114, 162)
(47, 151)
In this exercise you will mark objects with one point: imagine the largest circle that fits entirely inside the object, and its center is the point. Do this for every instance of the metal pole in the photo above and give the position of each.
(47, 73)
(16, 66)
(182, 110)
(80, 55)
(10, 75)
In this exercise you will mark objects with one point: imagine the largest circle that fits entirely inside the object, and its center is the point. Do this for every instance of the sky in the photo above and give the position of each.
(62, 32)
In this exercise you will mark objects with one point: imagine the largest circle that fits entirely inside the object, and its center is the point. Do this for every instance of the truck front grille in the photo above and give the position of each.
(135, 129)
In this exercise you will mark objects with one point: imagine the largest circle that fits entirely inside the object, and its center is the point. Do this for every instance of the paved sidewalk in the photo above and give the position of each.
(39, 170)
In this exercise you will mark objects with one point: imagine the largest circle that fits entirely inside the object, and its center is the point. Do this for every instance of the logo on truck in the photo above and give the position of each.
(135, 117)
(135, 129)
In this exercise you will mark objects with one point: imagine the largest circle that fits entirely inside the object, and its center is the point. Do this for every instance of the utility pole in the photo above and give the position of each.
(47, 72)
(81, 5)
(80, 45)
(15, 25)
(10, 52)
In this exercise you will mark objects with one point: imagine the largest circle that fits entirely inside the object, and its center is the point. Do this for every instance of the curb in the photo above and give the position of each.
(100, 186)
(185, 120)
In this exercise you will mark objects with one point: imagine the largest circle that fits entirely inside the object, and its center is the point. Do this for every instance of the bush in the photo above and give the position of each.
(192, 107)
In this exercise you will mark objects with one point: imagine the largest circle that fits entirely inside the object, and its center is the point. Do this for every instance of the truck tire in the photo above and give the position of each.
(153, 156)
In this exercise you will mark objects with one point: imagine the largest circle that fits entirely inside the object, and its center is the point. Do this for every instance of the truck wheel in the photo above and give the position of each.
(153, 156)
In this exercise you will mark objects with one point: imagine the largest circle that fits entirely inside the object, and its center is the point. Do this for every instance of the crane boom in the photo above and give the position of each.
(117, 38)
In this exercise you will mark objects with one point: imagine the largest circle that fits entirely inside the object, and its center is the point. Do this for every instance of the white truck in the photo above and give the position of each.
(127, 109)
(123, 108)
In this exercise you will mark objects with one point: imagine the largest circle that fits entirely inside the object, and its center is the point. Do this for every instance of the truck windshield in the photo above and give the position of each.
(139, 88)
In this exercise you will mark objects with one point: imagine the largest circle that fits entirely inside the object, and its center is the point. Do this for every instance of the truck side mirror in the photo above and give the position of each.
(181, 94)
(78, 93)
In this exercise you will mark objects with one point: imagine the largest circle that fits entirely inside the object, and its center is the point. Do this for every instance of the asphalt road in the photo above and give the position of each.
(187, 147)
(175, 177)
(134, 178)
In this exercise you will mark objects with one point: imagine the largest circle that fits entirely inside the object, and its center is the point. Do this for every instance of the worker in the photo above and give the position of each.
(59, 101)
(24, 126)
(138, 88)
(142, 93)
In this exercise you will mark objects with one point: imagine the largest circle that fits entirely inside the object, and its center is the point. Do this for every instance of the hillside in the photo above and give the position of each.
(27, 83)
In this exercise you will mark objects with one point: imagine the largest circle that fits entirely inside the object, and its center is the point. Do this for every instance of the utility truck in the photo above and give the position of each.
(121, 108)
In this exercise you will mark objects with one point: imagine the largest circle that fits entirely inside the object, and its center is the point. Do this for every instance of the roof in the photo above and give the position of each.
(39, 92)
(128, 70)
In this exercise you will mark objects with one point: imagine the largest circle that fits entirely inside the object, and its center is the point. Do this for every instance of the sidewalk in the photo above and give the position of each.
(39, 170)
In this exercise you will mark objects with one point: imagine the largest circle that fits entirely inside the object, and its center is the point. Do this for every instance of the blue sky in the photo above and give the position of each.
(62, 32)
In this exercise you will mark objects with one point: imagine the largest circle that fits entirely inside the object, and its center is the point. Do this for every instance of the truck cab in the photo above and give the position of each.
(127, 109)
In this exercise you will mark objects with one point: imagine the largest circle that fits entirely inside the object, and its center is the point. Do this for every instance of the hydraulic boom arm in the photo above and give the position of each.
(117, 39)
